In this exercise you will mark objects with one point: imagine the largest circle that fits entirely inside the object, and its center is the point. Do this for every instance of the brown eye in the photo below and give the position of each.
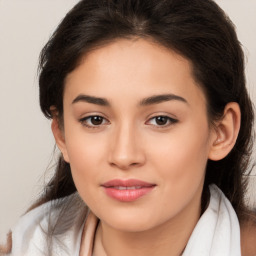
(96, 120)
(93, 121)
(161, 120)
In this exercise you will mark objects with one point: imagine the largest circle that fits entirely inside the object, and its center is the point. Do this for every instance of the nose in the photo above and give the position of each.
(126, 149)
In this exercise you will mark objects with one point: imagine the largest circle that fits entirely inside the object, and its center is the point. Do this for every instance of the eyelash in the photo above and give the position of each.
(170, 121)
(84, 121)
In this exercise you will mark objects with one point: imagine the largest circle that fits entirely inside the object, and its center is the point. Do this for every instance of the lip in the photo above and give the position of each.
(127, 190)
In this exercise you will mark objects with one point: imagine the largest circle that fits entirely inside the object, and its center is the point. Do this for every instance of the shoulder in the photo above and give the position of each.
(5, 249)
(25, 229)
(248, 237)
(55, 220)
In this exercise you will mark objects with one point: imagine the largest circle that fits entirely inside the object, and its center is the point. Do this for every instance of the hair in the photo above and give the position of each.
(198, 30)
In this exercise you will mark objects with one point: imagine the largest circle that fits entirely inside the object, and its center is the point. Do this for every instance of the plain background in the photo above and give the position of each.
(26, 142)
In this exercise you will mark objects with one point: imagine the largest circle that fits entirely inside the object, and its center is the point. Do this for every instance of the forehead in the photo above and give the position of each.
(132, 67)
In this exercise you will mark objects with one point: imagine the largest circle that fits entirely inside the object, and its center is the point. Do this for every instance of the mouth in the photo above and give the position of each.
(127, 190)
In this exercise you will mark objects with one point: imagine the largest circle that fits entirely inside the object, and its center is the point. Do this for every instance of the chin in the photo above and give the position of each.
(131, 226)
(135, 220)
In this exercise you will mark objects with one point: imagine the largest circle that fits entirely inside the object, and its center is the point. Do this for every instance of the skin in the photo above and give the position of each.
(248, 237)
(128, 143)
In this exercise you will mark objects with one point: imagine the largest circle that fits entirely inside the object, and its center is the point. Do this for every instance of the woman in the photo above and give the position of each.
(150, 112)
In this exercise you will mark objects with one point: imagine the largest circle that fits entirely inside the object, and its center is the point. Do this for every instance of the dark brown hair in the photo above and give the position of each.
(198, 30)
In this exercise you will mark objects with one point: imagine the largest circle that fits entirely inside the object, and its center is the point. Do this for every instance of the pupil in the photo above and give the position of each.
(161, 120)
(96, 120)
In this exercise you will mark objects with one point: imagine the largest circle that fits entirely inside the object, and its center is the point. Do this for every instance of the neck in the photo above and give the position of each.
(169, 238)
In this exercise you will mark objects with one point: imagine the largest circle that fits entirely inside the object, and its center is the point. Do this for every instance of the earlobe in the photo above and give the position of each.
(58, 134)
(225, 132)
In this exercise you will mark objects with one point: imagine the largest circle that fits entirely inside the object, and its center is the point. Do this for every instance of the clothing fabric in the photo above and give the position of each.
(217, 232)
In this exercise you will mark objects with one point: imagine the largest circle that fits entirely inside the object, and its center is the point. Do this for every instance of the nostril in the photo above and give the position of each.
(125, 165)
(125, 150)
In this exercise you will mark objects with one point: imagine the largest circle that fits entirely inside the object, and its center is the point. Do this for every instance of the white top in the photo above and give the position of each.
(217, 232)
(29, 237)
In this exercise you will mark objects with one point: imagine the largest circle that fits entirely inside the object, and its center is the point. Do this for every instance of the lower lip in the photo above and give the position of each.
(127, 195)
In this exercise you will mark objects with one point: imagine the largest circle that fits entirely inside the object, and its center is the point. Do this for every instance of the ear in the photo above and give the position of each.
(225, 132)
(58, 134)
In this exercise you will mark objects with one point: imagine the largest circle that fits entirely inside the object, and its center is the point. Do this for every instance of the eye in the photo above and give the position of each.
(163, 121)
(93, 121)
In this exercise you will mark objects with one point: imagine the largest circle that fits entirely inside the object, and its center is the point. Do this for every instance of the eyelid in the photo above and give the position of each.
(171, 121)
(91, 126)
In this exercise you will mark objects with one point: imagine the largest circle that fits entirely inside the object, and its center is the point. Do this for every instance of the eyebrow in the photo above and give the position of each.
(155, 99)
(91, 99)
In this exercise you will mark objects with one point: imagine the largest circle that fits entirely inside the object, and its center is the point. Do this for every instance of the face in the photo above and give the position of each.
(136, 134)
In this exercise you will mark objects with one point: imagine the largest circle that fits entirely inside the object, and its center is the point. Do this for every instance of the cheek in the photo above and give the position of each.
(85, 162)
(180, 163)
(85, 154)
(83, 148)
(181, 157)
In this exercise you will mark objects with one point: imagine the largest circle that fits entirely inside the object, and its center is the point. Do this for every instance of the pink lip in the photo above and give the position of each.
(127, 190)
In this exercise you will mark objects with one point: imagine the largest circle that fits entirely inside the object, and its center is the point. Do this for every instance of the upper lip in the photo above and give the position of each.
(127, 183)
